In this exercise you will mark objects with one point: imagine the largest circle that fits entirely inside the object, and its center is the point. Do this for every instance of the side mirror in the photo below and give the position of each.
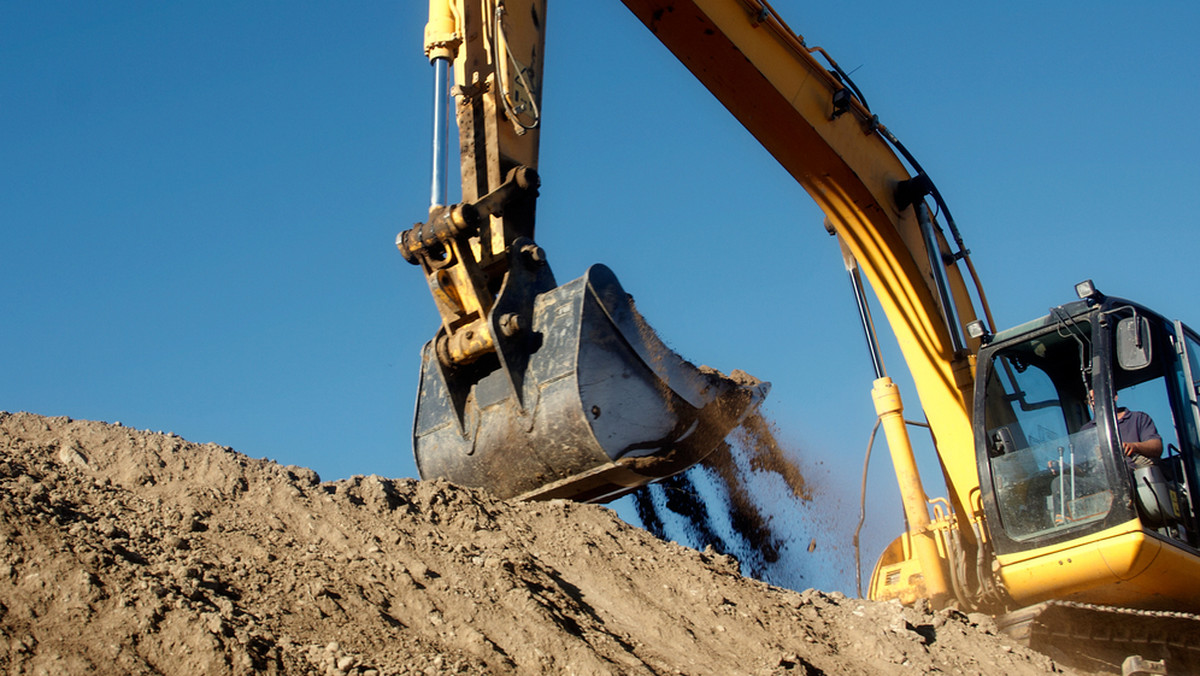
(1133, 343)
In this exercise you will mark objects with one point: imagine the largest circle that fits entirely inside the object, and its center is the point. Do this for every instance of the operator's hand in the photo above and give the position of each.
(1150, 449)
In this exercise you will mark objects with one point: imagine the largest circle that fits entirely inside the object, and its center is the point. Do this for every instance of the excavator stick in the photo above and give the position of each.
(587, 404)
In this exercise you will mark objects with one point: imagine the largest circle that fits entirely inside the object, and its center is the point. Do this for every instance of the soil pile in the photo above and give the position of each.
(127, 551)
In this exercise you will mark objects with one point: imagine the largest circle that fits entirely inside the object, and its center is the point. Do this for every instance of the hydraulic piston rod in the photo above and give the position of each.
(441, 45)
(441, 131)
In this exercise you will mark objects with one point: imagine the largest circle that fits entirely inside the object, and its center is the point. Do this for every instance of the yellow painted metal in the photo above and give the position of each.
(441, 33)
(890, 408)
(1122, 566)
(483, 71)
(897, 575)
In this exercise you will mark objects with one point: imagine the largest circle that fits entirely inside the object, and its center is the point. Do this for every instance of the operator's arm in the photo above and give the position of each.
(1149, 442)
(1151, 448)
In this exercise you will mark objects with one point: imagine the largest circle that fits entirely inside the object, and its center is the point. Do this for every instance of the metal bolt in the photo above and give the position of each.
(511, 324)
(534, 254)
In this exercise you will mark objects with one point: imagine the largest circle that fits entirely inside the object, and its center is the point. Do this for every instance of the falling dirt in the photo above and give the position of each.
(131, 552)
(720, 504)
(767, 454)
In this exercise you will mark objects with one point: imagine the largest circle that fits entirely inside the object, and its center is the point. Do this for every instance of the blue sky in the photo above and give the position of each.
(199, 203)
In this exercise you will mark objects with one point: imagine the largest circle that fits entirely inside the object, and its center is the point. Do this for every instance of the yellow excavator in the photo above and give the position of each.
(537, 390)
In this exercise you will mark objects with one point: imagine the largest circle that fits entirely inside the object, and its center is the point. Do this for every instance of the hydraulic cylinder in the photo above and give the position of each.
(890, 409)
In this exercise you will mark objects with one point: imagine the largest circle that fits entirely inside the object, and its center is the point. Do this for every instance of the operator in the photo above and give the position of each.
(1139, 437)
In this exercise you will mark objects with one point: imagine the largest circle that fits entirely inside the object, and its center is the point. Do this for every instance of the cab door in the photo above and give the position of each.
(1187, 379)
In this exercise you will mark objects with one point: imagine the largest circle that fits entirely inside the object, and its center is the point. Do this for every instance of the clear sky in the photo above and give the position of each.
(199, 203)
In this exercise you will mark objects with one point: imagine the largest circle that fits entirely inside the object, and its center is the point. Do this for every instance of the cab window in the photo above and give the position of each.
(1047, 469)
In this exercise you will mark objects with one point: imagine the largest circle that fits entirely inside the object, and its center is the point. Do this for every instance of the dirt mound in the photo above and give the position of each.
(132, 552)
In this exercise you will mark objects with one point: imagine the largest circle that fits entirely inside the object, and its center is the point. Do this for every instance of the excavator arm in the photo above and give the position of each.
(493, 410)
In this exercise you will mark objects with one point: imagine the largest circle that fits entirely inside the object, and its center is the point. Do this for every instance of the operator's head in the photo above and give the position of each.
(1092, 397)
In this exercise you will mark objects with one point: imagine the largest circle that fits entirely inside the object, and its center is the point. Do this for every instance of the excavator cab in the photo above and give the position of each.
(1072, 514)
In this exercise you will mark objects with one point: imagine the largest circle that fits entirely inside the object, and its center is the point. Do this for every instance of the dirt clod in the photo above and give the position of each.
(140, 553)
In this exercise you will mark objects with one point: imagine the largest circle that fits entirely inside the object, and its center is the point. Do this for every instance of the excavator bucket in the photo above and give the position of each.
(601, 407)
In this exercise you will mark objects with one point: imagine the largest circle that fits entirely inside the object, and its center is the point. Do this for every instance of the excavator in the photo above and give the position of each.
(537, 390)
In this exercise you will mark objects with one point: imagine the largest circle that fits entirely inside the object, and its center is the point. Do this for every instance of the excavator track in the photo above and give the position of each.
(1101, 637)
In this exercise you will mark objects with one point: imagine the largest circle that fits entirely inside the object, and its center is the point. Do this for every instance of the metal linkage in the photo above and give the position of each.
(448, 222)
(463, 290)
